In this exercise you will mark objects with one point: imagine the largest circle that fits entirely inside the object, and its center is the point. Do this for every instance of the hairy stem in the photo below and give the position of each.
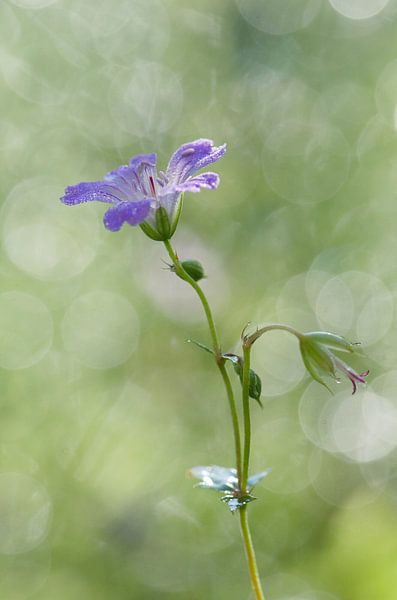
(250, 553)
(245, 531)
(217, 350)
(247, 417)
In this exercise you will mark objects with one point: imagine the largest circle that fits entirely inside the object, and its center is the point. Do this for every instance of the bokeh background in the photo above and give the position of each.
(104, 407)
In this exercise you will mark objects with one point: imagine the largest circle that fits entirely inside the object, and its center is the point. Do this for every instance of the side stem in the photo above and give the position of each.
(245, 531)
(217, 351)
(246, 416)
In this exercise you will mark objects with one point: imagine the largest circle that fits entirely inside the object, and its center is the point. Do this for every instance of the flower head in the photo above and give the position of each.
(140, 196)
(319, 360)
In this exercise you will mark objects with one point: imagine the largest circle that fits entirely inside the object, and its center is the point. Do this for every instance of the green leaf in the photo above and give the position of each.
(235, 502)
(200, 345)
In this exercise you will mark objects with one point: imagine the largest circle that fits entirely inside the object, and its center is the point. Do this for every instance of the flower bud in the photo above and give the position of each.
(255, 383)
(331, 340)
(193, 268)
(318, 359)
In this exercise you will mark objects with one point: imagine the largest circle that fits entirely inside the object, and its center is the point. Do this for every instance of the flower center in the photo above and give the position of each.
(152, 186)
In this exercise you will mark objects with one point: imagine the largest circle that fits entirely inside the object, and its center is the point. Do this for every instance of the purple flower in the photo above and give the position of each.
(316, 353)
(140, 196)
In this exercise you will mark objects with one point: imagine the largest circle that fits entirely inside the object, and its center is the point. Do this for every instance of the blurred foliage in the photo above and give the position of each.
(104, 407)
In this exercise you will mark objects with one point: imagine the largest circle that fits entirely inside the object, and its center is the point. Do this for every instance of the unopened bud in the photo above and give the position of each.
(316, 350)
(193, 268)
(255, 383)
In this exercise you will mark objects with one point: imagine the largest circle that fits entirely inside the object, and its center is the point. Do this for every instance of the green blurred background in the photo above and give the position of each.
(104, 407)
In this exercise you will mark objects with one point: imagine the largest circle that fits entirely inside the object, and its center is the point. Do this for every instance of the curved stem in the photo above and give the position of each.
(182, 273)
(247, 417)
(216, 347)
(250, 553)
(248, 340)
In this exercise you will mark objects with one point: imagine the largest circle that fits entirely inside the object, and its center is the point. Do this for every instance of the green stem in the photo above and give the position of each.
(242, 472)
(182, 273)
(250, 553)
(247, 416)
(250, 339)
(216, 347)
(234, 416)
(245, 531)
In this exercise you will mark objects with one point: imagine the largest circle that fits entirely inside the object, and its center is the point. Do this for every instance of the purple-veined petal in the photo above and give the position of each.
(90, 191)
(138, 179)
(140, 159)
(132, 213)
(192, 157)
(207, 180)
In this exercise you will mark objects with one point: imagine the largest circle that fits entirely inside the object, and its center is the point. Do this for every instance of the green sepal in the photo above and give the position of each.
(323, 359)
(163, 223)
(176, 215)
(331, 340)
(200, 345)
(310, 367)
(151, 232)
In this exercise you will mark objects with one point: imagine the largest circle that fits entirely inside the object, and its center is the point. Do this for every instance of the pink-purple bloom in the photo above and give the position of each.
(139, 195)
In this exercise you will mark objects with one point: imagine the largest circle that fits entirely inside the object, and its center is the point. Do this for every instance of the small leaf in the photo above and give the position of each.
(200, 345)
(217, 478)
(234, 502)
(232, 357)
(254, 479)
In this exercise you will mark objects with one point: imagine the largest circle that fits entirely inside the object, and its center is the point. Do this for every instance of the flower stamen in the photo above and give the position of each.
(152, 186)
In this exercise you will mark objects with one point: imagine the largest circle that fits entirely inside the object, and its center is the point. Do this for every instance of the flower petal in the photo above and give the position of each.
(89, 191)
(207, 180)
(133, 179)
(132, 213)
(139, 159)
(192, 157)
